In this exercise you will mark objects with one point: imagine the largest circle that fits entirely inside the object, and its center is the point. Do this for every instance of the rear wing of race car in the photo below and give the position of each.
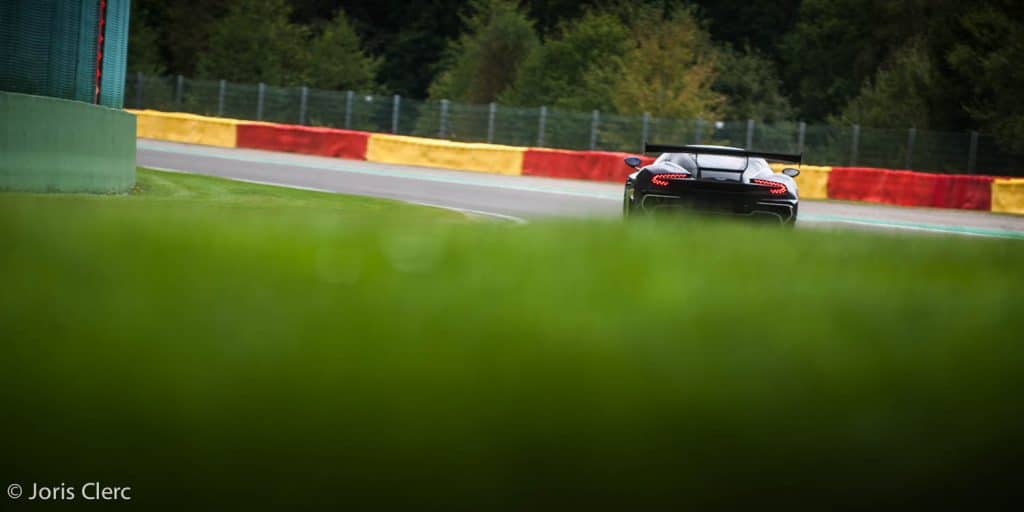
(704, 150)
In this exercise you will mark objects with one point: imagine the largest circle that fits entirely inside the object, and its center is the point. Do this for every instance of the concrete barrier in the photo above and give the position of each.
(1008, 195)
(583, 165)
(188, 128)
(812, 181)
(55, 145)
(304, 139)
(908, 188)
(489, 158)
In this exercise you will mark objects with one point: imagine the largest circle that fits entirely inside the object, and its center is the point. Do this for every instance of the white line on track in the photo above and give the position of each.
(876, 224)
(502, 216)
(464, 211)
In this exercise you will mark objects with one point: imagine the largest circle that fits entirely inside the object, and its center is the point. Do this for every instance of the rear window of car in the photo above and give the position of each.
(725, 163)
(683, 160)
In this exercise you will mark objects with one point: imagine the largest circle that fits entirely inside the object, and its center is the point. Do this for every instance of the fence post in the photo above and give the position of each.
(302, 104)
(491, 110)
(444, 119)
(177, 92)
(348, 109)
(800, 137)
(750, 134)
(911, 136)
(138, 89)
(645, 130)
(220, 98)
(594, 120)
(698, 125)
(854, 145)
(540, 126)
(394, 113)
(261, 92)
(972, 154)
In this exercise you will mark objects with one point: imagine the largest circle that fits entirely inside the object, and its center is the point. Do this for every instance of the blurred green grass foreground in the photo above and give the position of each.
(213, 342)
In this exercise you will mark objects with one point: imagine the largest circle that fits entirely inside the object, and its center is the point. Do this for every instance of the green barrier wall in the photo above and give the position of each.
(54, 145)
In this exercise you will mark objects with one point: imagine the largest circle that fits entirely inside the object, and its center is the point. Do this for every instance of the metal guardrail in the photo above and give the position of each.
(910, 148)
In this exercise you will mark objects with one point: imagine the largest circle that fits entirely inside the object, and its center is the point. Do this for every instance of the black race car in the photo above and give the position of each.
(713, 179)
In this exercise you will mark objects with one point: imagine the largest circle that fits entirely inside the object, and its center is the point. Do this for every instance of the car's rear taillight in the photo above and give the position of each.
(774, 187)
(661, 180)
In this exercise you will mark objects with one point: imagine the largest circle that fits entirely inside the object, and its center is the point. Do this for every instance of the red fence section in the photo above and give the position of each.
(962, 191)
(304, 139)
(582, 165)
(906, 188)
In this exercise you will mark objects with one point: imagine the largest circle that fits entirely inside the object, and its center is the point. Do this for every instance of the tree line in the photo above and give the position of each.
(932, 64)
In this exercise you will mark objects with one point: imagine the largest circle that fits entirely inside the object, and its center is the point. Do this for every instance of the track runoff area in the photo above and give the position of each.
(522, 198)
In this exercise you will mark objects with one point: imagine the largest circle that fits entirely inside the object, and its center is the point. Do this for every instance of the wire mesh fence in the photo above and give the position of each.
(922, 150)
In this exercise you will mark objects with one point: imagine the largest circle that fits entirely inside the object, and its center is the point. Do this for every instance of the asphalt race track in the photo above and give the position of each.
(521, 198)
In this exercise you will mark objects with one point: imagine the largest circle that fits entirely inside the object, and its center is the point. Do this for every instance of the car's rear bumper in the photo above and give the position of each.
(739, 205)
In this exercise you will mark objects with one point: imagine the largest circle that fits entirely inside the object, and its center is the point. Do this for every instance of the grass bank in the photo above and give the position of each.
(215, 342)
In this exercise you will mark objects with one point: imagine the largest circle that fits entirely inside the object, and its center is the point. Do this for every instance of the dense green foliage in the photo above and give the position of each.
(669, 69)
(556, 74)
(237, 346)
(828, 54)
(486, 58)
(639, 58)
(337, 59)
(899, 93)
(257, 42)
(143, 49)
(988, 56)
(933, 64)
(751, 86)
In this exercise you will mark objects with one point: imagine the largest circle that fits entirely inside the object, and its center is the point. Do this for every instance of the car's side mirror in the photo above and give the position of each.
(791, 172)
(632, 161)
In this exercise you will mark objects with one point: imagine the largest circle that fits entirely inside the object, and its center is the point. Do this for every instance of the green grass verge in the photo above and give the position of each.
(214, 342)
(179, 190)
